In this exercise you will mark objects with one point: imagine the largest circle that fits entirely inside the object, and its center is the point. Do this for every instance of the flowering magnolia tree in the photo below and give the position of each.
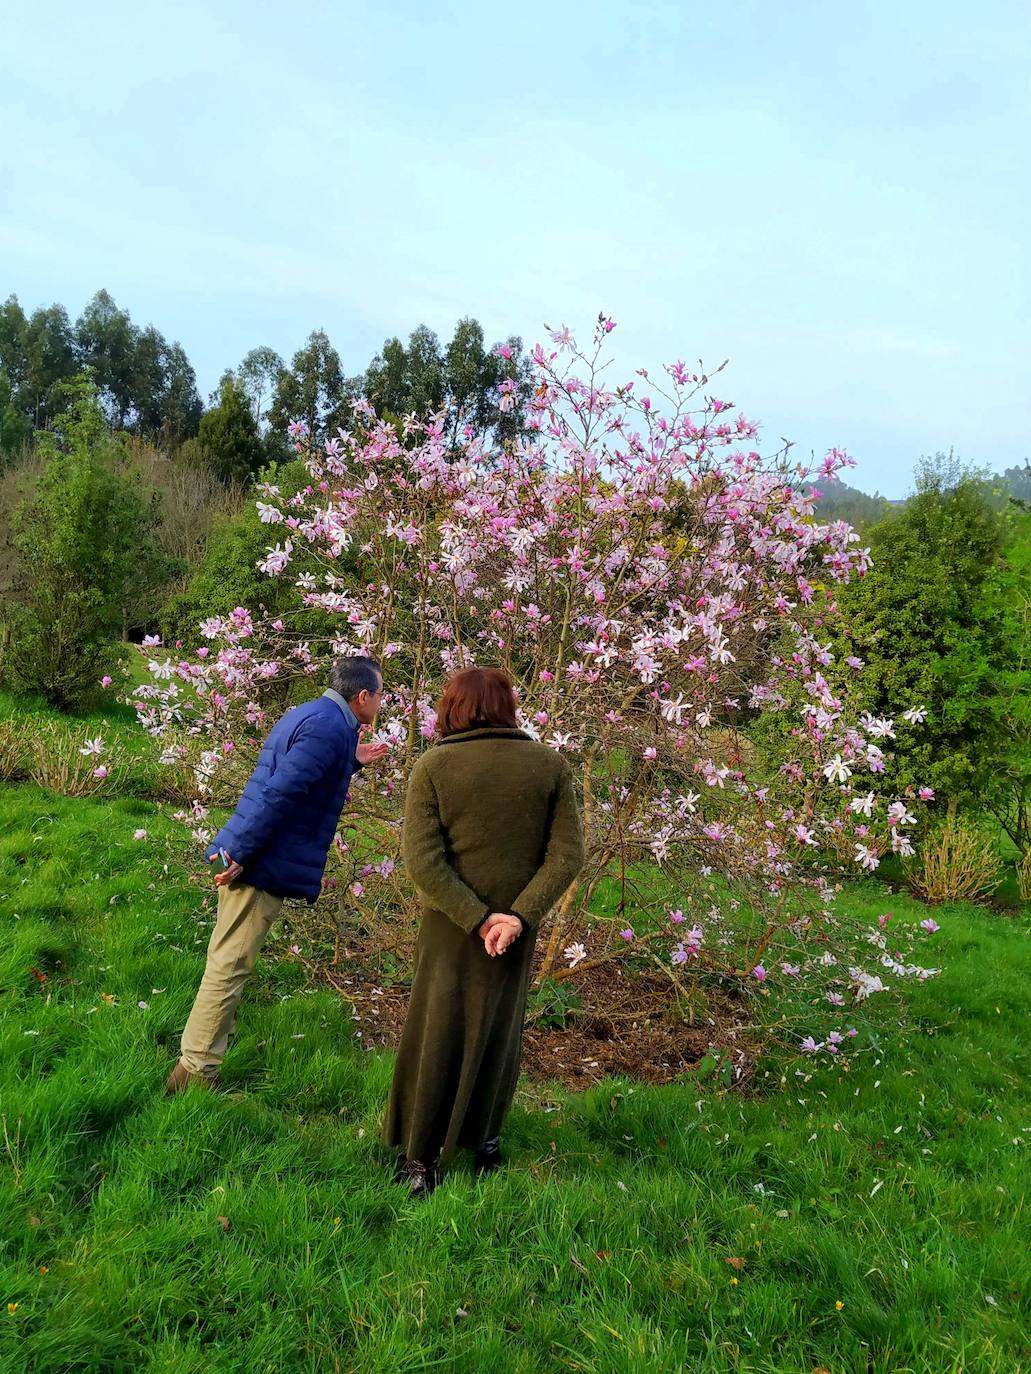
(659, 593)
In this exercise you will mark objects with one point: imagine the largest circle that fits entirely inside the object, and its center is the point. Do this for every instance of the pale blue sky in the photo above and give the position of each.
(836, 197)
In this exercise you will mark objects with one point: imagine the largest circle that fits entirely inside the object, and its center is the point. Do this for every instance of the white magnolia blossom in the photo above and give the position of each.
(837, 770)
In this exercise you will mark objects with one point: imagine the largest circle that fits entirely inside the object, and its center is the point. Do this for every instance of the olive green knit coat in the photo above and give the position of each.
(491, 824)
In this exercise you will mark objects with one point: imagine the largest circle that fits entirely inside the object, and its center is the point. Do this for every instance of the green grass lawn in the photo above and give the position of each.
(259, 1230)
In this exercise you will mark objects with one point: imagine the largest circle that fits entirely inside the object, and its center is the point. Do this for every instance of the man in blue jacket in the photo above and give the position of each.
(275, 846)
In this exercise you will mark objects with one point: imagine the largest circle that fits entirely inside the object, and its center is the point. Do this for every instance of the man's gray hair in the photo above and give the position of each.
(349, 676)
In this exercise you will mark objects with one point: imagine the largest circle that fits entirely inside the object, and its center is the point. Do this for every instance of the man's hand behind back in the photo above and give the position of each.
(229, 872)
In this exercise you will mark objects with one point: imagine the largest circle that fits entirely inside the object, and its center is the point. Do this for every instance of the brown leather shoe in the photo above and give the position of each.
(181, 1078)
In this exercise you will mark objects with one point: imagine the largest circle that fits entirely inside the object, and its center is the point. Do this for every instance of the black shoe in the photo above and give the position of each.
(488, 1157)
(419, 1177)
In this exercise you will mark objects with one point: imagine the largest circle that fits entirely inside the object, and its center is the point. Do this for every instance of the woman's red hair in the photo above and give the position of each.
(474, 699)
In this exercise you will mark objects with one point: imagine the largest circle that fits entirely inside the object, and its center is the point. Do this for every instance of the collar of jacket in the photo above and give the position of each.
(349, 715)
(485, 732)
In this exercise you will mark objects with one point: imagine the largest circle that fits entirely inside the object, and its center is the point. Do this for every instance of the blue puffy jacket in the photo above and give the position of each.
(287, 816)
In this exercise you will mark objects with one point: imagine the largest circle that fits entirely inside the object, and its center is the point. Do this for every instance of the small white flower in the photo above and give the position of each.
(866, 858)
(575, 954)
(837, 770)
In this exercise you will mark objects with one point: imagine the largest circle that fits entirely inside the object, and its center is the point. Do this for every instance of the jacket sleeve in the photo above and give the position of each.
(563, 856)
(311, 760)
(425, 857)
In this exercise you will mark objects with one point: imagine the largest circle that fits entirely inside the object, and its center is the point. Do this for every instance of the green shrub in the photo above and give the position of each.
(84, 542)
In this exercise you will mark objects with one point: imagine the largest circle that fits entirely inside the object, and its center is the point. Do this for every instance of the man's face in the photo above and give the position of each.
(366, 704)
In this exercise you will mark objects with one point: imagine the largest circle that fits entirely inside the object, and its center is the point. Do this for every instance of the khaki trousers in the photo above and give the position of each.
(245, 915)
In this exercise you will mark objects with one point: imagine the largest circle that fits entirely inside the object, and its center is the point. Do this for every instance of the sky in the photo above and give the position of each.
(833, 197)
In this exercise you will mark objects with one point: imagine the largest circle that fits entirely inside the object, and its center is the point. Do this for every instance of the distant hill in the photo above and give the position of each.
(842, 502)
(1019, 482)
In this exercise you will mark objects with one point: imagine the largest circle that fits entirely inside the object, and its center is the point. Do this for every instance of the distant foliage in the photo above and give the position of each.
(1018, 481)
(467, 383)
(260, 374)
(313, 389)
(145, 384)
(839, 501)
(228, 443)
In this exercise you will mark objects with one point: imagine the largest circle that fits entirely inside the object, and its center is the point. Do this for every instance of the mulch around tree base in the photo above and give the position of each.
(626, 1027)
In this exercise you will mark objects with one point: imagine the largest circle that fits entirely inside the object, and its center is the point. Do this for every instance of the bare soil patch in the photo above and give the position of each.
(626, 1025)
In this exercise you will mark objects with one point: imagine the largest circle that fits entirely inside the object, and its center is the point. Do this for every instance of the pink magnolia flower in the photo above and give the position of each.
(760, 973)
(627, 934)
(930, 925)
(100, 773)
(139, 835)
(105, 681)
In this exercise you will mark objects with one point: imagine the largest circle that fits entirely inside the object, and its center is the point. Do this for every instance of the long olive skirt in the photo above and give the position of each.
(458, 1061)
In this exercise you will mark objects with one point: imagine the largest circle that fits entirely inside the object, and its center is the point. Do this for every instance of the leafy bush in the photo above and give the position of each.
(957, 862)
(1024, 877)
(937, 622)
(85, 549)
(12, 751)
(65, 763)
(553, 1005)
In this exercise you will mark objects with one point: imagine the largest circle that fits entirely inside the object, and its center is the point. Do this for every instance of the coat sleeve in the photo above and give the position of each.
(563, 856)
(426, 860)
(311, 760)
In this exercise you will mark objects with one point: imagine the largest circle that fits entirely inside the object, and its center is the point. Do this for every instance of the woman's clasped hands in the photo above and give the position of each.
(498, 931)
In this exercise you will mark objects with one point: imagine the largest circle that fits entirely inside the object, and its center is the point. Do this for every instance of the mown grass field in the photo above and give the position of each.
(877, 1219)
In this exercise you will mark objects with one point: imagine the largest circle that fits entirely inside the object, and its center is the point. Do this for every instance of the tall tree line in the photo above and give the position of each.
(148, 387)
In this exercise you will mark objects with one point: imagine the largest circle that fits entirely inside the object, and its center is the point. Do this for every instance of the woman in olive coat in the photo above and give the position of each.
(492, 838)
